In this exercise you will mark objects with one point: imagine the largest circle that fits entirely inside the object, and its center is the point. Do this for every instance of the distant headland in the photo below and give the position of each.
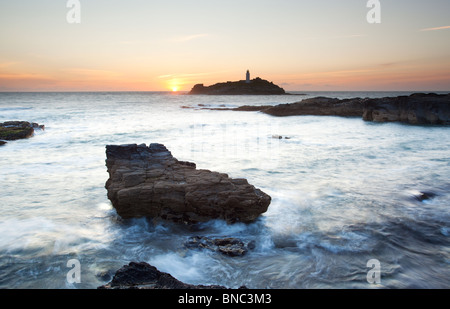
(255, 86)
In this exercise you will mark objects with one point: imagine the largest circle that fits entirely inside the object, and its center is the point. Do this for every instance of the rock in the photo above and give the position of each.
(423, 196)
(2, 143)
(144, 276)
(319, 106)
(251, 108)
(104, 275)
(417, 108)
(38, 126)
(228, 246)
(14, 130)
(256, 86)
(150, 182)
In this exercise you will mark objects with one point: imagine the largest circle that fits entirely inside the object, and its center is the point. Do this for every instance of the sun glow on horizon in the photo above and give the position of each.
(174, 52)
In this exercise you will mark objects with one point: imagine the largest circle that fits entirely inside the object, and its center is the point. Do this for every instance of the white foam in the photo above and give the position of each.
(19, 234)
(188, 269)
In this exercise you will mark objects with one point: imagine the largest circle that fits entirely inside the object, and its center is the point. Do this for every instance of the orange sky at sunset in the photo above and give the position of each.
(161, 46)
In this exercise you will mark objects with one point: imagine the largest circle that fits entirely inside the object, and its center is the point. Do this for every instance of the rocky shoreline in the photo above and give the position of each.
(147, 181)
(416, 109)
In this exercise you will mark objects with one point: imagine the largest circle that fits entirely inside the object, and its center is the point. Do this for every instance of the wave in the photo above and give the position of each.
(6, 109)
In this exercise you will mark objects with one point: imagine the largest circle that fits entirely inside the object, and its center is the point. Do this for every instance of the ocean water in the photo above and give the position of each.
(344, 192)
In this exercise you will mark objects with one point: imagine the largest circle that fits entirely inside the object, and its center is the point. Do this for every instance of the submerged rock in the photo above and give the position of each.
(144, 276)
(424, 196)
(150, 182)
(228, 246)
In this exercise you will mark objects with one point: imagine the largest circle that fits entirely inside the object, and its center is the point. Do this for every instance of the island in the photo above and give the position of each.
(256, 86)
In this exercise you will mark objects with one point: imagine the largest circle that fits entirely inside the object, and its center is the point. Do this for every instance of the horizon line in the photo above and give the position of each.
(186, 91)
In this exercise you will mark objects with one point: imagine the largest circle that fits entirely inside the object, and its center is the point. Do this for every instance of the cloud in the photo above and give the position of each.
(189, 37)
(436, 28)
(351, 36)
(91, 73)
(183, 75)
(23, 76)
(7, 64)
(130, 42)
(388, 64)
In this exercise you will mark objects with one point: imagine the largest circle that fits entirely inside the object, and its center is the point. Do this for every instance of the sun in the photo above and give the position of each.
(174, 88)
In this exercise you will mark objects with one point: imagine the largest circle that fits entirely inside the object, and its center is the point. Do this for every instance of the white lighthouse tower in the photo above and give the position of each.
(247, 77)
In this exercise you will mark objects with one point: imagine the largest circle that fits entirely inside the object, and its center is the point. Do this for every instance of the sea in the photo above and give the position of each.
(347, 210)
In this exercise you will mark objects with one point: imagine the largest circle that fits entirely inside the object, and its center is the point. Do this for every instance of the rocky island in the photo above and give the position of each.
(150, 182)
(255, 86)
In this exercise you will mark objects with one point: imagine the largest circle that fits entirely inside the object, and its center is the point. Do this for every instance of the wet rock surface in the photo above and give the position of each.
(141, 275)
(320, 106)
(425, 196)
(150, 182)
(229, 246)
(416, 109)
(14, 130)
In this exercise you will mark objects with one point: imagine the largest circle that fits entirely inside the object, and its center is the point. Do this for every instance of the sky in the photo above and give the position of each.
(152, 45)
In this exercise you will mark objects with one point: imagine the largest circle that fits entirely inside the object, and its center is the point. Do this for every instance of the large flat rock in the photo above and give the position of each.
(150, 182)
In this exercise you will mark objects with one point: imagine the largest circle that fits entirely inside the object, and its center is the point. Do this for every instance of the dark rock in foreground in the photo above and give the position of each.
(144, 276)
(14, 130)
(150, 182)
(228, 246)
(256, 86)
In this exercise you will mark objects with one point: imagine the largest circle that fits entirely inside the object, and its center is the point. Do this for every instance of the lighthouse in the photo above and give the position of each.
(247, 77)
